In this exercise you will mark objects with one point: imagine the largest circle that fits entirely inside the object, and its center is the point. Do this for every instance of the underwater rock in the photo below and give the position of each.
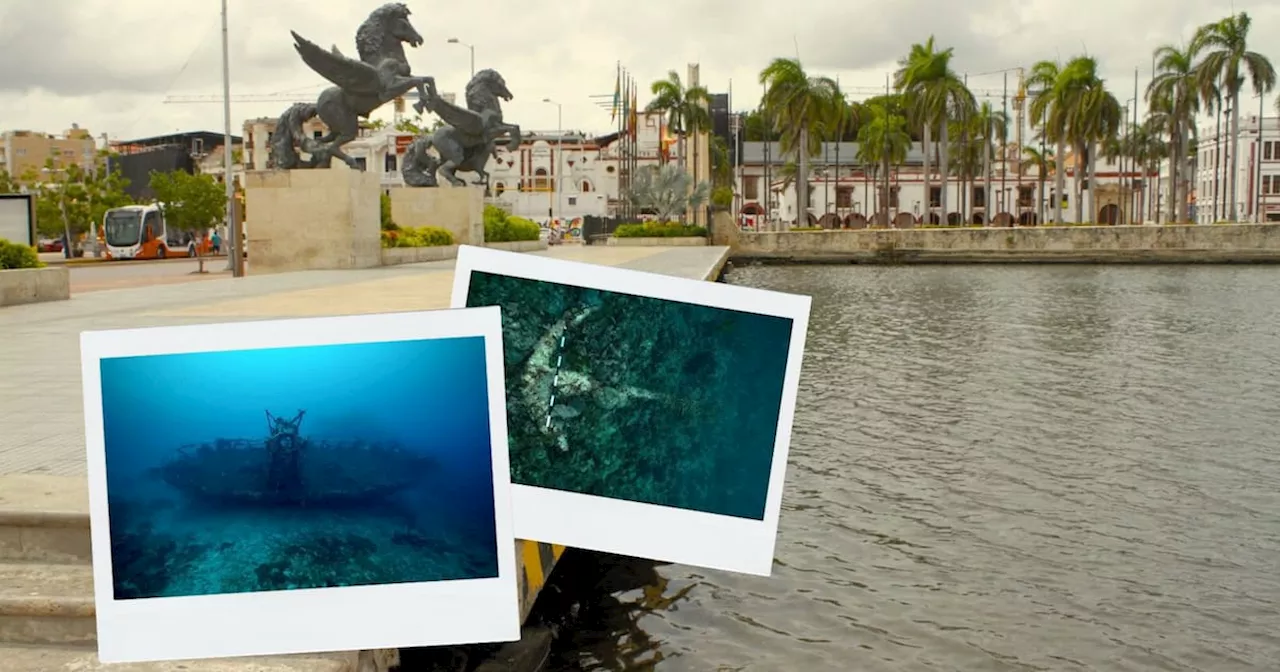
(564, 412)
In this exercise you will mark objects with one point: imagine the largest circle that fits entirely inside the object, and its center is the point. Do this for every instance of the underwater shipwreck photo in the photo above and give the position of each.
(637, 398)
(306, 467)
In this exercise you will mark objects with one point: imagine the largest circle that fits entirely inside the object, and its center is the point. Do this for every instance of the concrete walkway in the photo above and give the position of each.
(41, 416)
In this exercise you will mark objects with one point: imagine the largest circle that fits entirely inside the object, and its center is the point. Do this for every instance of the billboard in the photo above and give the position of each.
(18, 218)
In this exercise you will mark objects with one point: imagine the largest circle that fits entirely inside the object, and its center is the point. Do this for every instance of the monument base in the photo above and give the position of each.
(300, 220)
(458, 210)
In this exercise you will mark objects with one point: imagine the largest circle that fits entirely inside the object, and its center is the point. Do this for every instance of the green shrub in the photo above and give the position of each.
(500, 227)
(722, 198)
(419, 236)
(388, 224)
(15, 255)
(659, 230)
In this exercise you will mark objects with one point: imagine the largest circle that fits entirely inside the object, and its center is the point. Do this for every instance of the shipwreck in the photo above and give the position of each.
(286, 469)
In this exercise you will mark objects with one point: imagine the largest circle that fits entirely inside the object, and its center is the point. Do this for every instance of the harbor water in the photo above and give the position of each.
(1000, 468)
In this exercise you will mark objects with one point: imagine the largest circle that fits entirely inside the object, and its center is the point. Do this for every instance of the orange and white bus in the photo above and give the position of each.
(139, 232)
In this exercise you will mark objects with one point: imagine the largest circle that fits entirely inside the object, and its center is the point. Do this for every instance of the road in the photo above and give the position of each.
(104, 275)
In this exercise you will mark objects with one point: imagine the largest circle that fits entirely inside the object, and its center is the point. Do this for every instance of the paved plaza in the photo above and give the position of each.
(41, 419)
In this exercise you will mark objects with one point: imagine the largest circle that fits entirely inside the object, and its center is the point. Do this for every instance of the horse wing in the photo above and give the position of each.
(458, 117)
(352, 76)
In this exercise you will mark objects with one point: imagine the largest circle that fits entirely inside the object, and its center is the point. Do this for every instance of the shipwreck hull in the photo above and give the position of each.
(330, 474)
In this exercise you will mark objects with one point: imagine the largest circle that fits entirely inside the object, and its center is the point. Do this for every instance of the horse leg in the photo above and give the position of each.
(344, 125)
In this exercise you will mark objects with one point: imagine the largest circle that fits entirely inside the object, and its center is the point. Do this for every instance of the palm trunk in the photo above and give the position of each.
(942, 168)
(802, 179)
(1175, 139)
(1059, 180)
(1093, 184)
(1075, 185)
(928, 183)
(986, 176)
(1235, 147)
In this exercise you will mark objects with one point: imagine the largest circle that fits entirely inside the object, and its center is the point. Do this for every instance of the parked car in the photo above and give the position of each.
(49, 245)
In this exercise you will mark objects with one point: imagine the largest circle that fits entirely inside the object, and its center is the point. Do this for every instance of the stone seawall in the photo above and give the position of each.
(1219, 243)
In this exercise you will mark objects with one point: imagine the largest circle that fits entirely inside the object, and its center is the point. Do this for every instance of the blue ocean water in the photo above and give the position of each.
(637, 398)
(393, 481)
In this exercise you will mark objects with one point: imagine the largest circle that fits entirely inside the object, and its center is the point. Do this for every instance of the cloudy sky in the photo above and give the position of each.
(109, 65)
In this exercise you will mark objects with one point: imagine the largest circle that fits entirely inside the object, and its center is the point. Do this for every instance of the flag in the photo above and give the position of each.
(617, 93)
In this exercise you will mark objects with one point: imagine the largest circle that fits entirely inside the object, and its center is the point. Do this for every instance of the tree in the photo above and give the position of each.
(1050, 109)
(69, 200)
(883, 140)
(1042, 162)
(757, 128)
(191, 203)
(1228, 61)
(667, 191)
(9, 185)
(934, 95)
(686, 109)
(799, 104)
(1095, 117)
(1174, 96)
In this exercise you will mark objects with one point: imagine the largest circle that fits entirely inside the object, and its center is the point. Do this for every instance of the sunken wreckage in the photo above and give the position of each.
(285, 469)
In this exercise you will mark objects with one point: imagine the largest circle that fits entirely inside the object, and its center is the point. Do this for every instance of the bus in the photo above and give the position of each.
(139, 232)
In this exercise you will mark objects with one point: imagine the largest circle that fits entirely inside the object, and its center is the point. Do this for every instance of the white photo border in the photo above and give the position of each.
(304, 620)
(607, 524)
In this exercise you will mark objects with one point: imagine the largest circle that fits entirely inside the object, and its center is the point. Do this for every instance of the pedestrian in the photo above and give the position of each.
(217, 243)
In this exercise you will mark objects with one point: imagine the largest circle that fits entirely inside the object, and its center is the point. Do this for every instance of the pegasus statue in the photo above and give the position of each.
(381, 75)
(468, 138)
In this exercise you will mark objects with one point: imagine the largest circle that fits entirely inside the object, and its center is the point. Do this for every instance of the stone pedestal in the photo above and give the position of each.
(300, 220)
(459, 210)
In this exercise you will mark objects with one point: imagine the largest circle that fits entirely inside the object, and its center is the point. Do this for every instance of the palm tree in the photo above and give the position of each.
(883, 140)
(1174, 97)
(842, 120)
(1042, 162)
(1225, 48)
(935, 94)
(1095, 118)
(667, 190)
(686, 108)
(799, 103)
(993, 127)
(1049, 111)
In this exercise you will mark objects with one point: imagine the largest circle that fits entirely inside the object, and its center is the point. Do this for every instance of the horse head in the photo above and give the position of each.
(381, 34)
(484, 90)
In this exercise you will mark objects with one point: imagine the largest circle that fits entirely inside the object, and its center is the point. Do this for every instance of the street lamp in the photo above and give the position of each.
(454, 40)
(235, 260)
(559, 188)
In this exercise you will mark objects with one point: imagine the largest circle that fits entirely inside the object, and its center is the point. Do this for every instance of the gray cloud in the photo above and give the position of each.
(108, 64)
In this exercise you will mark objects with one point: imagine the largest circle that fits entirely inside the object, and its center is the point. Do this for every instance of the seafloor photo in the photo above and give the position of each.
(636, 398)
(306, 467)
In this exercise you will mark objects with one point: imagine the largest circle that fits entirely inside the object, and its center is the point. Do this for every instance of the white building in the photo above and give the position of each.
(843, 193)
(1257, 177)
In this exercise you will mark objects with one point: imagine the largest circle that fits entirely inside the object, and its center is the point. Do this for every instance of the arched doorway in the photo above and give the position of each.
(830, 221)
(1110, 215)
(1004, 219)
(1027, 219)
(811, 219)
(934, 218)
(955, 219)
(586, 186)
(752, 209)
(540, 181)
(978, 219)
(904, 220)
(856, 221)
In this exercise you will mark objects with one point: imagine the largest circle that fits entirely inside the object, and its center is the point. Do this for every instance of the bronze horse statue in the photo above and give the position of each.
(381, 75)
(469, 137)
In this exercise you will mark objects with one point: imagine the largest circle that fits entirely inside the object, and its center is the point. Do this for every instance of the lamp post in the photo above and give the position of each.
(234, 250)
(558, 183)
(454, 40)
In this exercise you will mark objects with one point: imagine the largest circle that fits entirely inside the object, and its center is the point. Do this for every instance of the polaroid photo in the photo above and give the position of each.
(299, 486)
(649, 415)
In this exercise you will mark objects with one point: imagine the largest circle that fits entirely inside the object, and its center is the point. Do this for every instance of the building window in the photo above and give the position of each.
(586, 186)
(1271, 184)
(1026, 195)
(979, 197)
(390, 163)
(751, 188)
(935, 197)
(573, 200)
(361, 163)
(1271, 150)
(540, 181)
(893, 196)
(844, 197)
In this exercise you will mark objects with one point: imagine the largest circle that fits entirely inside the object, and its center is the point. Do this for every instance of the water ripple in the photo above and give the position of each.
(1023, 468)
